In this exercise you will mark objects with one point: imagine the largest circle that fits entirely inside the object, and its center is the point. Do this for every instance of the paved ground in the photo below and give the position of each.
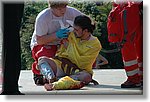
(109, 80)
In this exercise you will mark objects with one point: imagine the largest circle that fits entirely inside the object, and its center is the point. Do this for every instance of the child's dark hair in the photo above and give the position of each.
(84, 22)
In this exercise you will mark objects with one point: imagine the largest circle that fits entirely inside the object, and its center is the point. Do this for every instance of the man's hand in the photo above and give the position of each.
(62, 33)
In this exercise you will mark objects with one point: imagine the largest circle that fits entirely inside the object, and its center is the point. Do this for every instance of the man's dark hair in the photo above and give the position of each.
(84, 22)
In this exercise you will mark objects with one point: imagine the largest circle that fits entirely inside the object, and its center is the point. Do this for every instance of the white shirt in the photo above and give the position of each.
(47, 23)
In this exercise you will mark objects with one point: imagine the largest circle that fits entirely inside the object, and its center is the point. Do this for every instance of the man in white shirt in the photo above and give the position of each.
(48, 32)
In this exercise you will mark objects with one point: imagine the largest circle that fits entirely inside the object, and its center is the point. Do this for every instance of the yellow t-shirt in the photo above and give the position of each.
(83, 53)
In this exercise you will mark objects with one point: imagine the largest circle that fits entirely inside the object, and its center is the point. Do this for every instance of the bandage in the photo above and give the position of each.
(46, 69)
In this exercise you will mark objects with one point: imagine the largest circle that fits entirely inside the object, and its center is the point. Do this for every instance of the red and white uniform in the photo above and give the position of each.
(124, 23)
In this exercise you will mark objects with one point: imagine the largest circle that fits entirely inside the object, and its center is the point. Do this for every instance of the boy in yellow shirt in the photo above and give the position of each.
(75, 57)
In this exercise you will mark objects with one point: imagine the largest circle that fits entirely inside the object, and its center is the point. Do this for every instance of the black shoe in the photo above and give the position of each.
(129, 84)
(39, 80)
(12, 93)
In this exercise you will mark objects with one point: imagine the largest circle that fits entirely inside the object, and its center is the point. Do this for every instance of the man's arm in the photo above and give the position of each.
(103, 59)
(60, 34)
(44, 39)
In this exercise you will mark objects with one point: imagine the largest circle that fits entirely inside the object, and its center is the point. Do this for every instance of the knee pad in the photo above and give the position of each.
(45, 69)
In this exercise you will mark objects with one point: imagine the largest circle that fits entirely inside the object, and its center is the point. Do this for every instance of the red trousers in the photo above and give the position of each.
(39, 51)
(132, 54)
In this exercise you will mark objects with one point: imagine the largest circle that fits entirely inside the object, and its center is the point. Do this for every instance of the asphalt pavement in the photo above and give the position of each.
(109, 84)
